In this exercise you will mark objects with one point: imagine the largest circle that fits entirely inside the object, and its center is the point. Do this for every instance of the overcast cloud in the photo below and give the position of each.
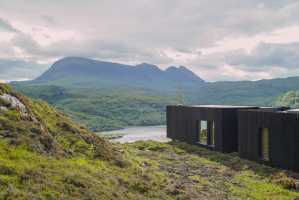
(218, 40)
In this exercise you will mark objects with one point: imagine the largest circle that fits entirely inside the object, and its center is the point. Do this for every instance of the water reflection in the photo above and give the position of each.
(132, 134)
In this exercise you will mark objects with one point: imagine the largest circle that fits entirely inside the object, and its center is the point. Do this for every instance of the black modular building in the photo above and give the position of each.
(264, 134)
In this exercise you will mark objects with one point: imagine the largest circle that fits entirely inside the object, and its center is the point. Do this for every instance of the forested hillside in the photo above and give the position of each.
(105, 109)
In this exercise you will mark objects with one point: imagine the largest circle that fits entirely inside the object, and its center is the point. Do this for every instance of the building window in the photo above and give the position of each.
(211, 138)
(206, 132)
(264, 144)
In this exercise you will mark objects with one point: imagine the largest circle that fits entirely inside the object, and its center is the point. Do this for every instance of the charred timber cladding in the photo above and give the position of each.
(268, 135)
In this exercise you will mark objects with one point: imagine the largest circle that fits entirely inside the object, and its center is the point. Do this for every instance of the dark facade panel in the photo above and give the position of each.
(248, 130)
(182, 124)
(283, 137)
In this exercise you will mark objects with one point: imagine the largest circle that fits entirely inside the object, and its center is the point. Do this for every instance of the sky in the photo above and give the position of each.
(218, 40)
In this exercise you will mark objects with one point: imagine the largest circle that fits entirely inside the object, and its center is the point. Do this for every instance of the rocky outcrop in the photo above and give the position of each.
(13, 102)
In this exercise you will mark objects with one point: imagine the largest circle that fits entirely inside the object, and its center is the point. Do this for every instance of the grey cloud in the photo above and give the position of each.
(6, 26)
(19, 69)
(268, 55)
(265, 61)
(181, 25)
(26, 43)
(49, 19)
(6, 50)
(96, 48)
(169, 23)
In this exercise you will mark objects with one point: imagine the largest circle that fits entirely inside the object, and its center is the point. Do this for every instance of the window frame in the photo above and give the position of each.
(210, 132)
(264, 144)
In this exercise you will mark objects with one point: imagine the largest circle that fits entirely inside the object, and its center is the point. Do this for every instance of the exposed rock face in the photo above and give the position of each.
(13, 103)
(3, 108)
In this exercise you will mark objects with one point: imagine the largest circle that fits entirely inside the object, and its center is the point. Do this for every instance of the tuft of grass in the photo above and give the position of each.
(284, 180)
(4, 88)
(253, 187)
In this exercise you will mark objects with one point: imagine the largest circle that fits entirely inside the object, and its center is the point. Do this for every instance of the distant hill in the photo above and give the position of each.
(82, 72)
(105, 95)
(261, 92)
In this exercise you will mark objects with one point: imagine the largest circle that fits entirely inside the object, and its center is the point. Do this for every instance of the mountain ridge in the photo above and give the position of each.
(143, 67)
(77, 70)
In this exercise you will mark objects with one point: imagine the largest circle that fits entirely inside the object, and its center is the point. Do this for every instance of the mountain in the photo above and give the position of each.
(107, 96)
(82, 72)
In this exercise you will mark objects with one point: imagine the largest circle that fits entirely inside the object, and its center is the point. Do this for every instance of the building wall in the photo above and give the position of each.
(182, 125)
(238, 130)
(283, 137)
(230, 130)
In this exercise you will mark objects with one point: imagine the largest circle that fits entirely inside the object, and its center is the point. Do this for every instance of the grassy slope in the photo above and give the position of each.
(46, 130)
(152, 171)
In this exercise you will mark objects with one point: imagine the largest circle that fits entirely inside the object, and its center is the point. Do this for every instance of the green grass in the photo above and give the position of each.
(253, 188)
(213, 175)
(27, 175)
(152, 171)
